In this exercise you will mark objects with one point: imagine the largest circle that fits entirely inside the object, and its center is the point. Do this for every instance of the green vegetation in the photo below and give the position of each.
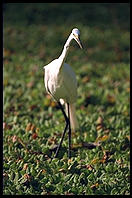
(34, 34)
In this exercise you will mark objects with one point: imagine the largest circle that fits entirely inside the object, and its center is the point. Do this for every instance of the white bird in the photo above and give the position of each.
(60, 83)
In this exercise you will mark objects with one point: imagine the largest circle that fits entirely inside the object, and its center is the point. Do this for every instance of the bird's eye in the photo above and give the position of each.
(75, 35)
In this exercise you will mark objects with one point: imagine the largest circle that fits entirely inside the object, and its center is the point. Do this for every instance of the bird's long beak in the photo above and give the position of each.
(78, 41)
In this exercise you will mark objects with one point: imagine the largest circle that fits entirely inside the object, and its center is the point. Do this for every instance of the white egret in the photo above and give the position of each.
(60, 83)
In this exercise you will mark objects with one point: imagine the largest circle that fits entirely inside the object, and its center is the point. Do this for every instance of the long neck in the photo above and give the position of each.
(65, 49)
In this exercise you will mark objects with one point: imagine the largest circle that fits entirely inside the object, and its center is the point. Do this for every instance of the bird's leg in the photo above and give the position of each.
(69, 134)
(67, 123)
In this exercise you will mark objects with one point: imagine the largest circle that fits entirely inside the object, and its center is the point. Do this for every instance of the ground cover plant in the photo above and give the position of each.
(34, 34)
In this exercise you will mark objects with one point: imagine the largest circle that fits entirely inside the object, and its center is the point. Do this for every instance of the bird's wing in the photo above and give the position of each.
(69, 75)
(69, 82)
(50, 73)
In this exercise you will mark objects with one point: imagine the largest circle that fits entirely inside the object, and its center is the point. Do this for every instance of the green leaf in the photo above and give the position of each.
(16, 178)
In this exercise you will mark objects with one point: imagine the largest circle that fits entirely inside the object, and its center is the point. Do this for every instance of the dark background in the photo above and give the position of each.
(91, 14)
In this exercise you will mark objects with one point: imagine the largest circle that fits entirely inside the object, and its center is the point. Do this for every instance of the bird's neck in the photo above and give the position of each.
(65, 49)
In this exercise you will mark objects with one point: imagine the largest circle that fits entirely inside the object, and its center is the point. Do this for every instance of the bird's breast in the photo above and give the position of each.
(61, 83)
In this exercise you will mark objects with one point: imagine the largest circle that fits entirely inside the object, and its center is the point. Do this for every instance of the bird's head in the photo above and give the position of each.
(76, 35)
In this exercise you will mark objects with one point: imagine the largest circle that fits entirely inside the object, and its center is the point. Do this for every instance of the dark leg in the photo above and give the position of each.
(67, 123)
(69, 134)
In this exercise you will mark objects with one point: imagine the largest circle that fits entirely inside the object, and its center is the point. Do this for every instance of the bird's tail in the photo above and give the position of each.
(73, 118)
